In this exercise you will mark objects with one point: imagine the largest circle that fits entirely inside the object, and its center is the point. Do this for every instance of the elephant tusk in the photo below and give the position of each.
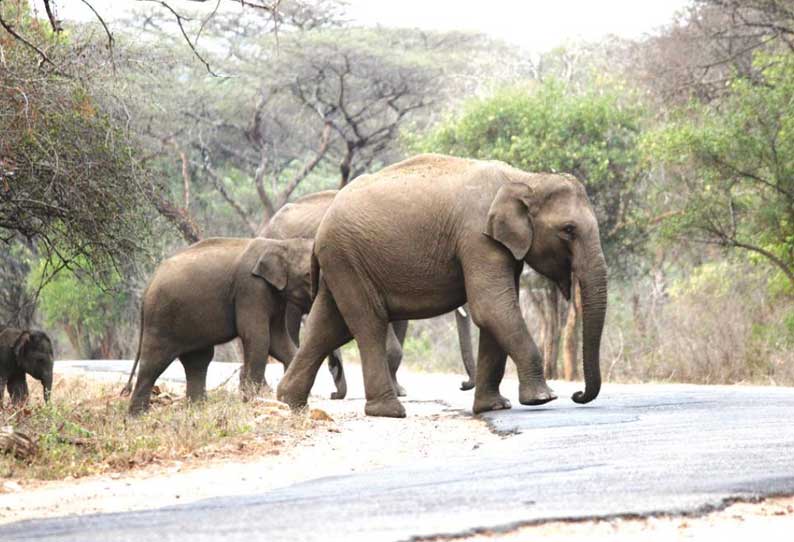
(462, 312)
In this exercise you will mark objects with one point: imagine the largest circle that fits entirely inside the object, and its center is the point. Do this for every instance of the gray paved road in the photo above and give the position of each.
(636, 450)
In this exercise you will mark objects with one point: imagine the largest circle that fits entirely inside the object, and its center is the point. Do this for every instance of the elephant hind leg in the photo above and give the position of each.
(394, 352)
(154, 360)
(325, 331)
(367, 321)
(196, 364)
(491, 359)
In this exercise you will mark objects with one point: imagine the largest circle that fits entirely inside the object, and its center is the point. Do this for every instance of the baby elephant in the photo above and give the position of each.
(212, 292)
(24, 352)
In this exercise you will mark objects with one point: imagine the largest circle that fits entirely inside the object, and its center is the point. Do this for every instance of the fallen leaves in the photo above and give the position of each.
(319, 415)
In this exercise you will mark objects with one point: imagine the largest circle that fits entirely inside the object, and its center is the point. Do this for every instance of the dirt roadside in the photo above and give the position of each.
(354, 443)
(350, 443)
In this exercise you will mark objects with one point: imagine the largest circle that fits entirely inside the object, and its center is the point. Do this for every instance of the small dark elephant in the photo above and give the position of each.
(301, 219)
(212, 292)
(24, 352)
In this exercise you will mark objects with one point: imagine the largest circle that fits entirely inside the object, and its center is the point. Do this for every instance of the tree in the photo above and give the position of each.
(709, 44)
(90, 315)
(233, 151)
(17, 304)
(69, 178)
(298, 13)
(364, 87)
(730, 166)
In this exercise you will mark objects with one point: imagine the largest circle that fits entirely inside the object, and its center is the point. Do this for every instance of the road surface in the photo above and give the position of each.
(636, 450)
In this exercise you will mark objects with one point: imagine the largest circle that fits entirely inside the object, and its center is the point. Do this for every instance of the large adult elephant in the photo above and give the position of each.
(301, 219)
(424, 236)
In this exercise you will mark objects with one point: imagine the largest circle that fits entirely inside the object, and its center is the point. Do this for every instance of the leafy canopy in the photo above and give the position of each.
(731, 166)
(592, 135)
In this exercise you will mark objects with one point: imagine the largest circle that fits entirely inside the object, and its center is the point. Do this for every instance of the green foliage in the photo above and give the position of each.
(730, 164)
(545, 127)
(70, 178)
(71, 299)
(711, 278)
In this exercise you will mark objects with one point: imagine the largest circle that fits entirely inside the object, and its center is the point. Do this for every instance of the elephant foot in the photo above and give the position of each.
(341, 389)
(387, 408)
(295, 400)
(138, 408)
(487, 403)
(535, 393)
(467, 385)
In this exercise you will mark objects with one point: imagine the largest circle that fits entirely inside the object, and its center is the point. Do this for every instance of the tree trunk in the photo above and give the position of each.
(543, 297)
(551, 339)
(570, 335)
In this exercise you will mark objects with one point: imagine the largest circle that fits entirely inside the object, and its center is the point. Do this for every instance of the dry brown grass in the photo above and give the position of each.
(85, 430)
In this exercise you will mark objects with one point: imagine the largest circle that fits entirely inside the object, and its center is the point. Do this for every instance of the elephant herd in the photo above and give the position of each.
(417, 239)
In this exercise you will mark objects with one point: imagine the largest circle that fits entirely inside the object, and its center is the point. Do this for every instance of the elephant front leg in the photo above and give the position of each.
(493, 300)
(256, 348)
(18, 389)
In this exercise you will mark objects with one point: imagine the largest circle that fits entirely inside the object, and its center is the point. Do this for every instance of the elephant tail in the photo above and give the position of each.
(128, 387)
(315, 275)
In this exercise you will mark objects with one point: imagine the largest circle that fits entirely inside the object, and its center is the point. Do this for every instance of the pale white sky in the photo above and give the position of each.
(536, 25)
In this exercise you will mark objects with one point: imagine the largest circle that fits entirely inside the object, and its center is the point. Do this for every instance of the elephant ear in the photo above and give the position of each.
(508, 219)
(272, 265)
(21, 344)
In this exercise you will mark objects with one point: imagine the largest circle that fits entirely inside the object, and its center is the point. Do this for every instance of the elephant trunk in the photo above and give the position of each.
(593, 283)
(46, 383)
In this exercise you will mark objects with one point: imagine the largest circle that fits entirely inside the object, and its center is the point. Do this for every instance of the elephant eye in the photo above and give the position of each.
(570, 229)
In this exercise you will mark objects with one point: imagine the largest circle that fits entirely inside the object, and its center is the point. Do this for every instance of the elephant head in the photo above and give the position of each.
(551, 226)
(34, 355)
(286, 265)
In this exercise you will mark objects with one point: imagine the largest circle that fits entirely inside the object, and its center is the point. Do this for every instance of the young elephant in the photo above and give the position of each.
(212, 292)
(24, 352)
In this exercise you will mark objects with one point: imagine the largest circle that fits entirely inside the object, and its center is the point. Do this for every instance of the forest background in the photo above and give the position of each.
(121, 143)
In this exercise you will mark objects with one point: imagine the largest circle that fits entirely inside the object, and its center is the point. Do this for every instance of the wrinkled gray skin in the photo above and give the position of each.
(428, 234)
(212, 292)
(24, 352)
(301, 219)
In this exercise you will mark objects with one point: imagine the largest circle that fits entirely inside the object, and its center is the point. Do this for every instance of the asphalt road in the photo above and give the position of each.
(636, 450)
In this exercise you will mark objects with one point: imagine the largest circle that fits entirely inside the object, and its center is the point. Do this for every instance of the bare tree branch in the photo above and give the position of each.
(8, 28)
(179, 18)
(111, 40)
